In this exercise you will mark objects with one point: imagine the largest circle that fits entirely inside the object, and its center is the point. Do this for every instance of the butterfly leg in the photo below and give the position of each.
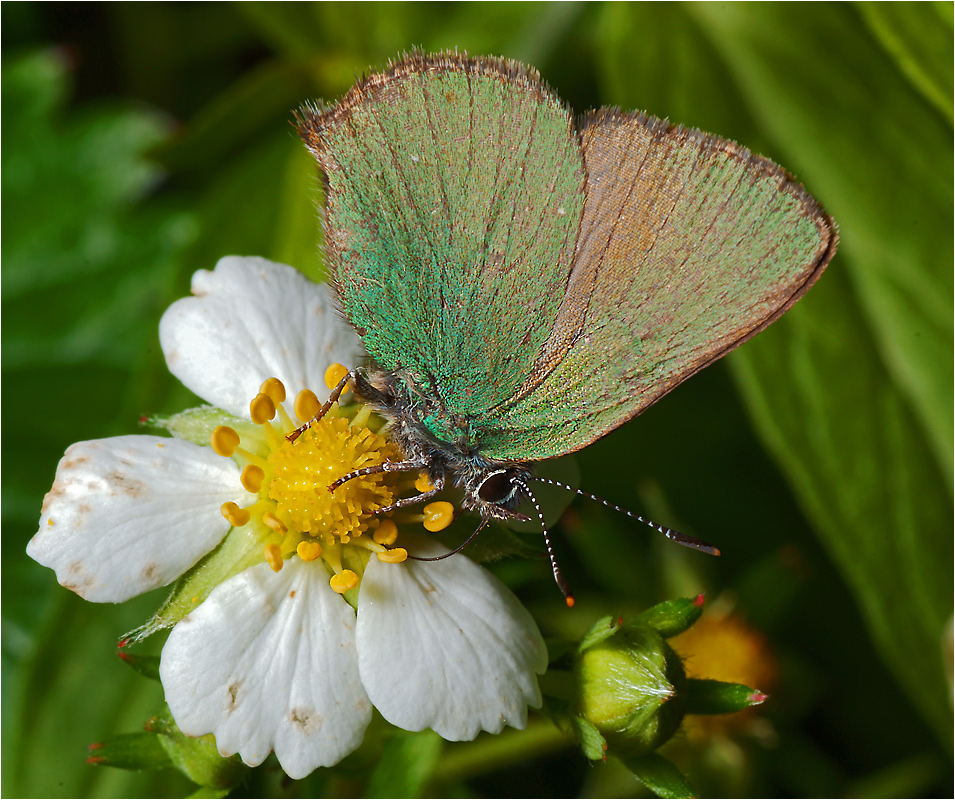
(410, 501)
(387, 466)
(332, 398)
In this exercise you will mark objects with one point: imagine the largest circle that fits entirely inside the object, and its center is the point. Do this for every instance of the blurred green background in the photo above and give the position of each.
(144, 141)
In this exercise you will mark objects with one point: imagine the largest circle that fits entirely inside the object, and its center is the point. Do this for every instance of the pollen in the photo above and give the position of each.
(343, 581)
(326, 451)
(252, 477)
(308, 550)
(394, 556)
(273, 554)
(262, 409)
(437, 516)
(334, 375)
(235, 516)
(275, 389)
(225, 441)
(423, 483)
(386, 533)
(306, 405)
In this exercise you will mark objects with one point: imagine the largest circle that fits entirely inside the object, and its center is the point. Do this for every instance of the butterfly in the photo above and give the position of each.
(524, 282)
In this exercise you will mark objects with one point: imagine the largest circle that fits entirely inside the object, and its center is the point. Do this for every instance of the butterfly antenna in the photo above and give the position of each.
(558, 575)
(672, 535)
(457, 549)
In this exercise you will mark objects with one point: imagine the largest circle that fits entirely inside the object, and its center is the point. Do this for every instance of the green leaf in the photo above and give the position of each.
(716, 697)
(134, 751)
(918, 36)
(406, 765)
(145, 665)
(672, 617)
(591, 741)
(851, 390)
(660, 776)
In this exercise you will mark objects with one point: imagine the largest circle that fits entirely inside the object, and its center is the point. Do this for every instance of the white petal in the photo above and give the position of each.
(268, 662)
(128, 514)
(445, 645)
(253, 319)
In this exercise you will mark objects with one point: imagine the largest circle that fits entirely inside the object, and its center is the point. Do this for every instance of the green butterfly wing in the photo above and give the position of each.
(541, 286)
(453, 197)
(689, 245)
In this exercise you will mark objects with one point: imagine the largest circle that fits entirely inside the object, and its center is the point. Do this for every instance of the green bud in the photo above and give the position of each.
(630, 686)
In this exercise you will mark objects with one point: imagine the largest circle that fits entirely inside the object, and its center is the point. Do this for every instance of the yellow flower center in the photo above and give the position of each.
(326, 451)
(290, 467)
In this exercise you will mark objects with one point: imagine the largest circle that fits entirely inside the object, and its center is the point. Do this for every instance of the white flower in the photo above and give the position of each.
(282, 655)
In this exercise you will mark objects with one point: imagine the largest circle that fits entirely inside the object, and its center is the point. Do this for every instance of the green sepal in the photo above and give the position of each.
(602, 629)
(197, 758)
(660, 776)
(591, 741)
(716, 697)
(672, 617)
(241, 549)
(132, 751)
(147, 666)
(197, 424)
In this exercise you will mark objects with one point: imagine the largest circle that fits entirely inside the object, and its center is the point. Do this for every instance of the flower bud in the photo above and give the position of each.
(630, 686)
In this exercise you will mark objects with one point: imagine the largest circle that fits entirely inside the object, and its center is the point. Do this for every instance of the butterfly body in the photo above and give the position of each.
(524, 284)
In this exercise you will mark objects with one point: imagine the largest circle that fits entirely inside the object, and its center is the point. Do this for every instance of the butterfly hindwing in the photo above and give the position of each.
(689, 245)
(454, 193)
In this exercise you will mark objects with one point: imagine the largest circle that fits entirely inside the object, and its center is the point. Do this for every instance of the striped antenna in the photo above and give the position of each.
(558, 575)
(675, 536)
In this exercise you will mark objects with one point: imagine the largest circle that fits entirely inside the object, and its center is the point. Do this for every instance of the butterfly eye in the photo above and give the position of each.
(497, 488)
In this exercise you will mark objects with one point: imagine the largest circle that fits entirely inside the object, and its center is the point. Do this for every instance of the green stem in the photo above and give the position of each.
(462, 761)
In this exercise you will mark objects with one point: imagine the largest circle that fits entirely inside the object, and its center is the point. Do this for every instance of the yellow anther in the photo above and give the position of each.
(306, 405)
(252, 477)
(275, 389)
(235, 516)
(224, 441)
(273, 554)
(387, 533)
(334, 375)
(423, 484)
(394, 556)
(343, 581)
(308, 550)
(262, 409)
(274, 522)
(437, 516)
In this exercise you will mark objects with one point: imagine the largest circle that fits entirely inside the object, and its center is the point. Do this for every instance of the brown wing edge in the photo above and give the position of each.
(825, 224)
(312, 119)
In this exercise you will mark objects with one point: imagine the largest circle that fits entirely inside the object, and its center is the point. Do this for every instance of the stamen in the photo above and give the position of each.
(262, 409)
(308, 550)
(275, 389)
(274, 522)
(306, 405)
(423, 483)
(235, 516)
(273, 554)
(437, 516)
(252, 477)
(343, 581)
(387, 533)
(224, 441)
(334, 375)
(394, 556)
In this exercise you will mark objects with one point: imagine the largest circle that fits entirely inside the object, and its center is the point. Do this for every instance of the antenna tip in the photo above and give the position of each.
(570, 600)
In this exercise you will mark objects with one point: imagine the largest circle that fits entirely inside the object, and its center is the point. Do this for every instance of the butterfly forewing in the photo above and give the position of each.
(454, 193)
(688, 246)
